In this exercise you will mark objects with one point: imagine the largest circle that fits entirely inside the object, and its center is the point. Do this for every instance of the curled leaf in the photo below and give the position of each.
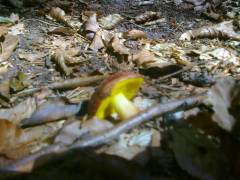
(147, 16)
(9, 44)
(118, 47)
(59, 59)
(221, 30)
(97, 42)
(110, 21)
(134, 34)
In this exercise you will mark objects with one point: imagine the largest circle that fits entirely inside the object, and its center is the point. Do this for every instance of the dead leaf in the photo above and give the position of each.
(110, 21)
(143, 57)
(134, 34)
(59, 58)
(5, 90)
(3, 31)
(146, 16)
(51, 110)
(19, 112)
(12, 140)
(64, 31)
(131, 144)
(118, 47)
(58, 14)
(31, 57)
(222, 30)
(90, 27)
(9, 44)
(221, 96)
(97, 42)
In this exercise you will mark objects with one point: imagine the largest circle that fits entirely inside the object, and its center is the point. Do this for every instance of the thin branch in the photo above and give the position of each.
(27, 163)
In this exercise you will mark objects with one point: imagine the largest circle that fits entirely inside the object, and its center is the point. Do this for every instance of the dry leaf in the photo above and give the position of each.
(147, 16)
(3, 30)
(8, 46)
(110, 21)
(51, 110)
(134, 34)
(143, 57)
(31, 57)
(59, 59)
(97, 42)
(21, 111)
(221, 96)
(118, 47)
(91, 24)
(58, 14)
(64, 31)
(12, 140)
(132, 144)
(222, 30)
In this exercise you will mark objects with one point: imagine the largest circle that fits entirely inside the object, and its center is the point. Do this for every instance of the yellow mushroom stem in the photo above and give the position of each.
(123, 106)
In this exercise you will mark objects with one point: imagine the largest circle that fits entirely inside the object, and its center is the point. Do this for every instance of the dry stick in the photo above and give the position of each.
(67, 84)
(142, 117)
(107, 136)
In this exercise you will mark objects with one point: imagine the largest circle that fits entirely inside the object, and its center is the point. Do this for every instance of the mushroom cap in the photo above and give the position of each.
(127, 83)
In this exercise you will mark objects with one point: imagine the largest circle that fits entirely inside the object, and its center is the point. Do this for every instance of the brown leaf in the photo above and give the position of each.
(134, 34)
(143, 57)
(91, 24)
(58, 14)
(59, 59)
(222, 30)
(8, 46)
(147, 16)
(118, 47)
(110, 21)
(31, 57)
(221, 96)
(64, 31)
(3, 30)
(19, 112)
(12, 140)
(97, 42)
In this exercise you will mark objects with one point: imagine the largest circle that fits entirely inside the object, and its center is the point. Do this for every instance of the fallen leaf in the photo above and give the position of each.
(110, 21)
(221, 96)
(9, 44)
(51, 110)
(17, 29)
(59, 58)
(3, 31)
(4, 90)
(31, 57)
(21, 111)
(90, 27)
(64, 31)
(97, 42)
(134, 34)
(58, 14)
(146, 16)
(12, 140)
(224, 30)
(118, 47)
(131, 144)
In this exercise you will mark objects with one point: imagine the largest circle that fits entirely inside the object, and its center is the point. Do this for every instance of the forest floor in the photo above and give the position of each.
(54, 55)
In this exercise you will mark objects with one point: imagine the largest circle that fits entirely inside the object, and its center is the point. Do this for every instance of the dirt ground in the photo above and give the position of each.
(161, 85)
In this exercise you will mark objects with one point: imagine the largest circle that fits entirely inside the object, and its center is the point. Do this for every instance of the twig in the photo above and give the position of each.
(26, 164)
(144, 116)
(67, 84)
(175, 73)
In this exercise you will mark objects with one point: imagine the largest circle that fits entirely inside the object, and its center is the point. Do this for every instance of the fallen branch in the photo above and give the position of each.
(67, 84)
(27, 163)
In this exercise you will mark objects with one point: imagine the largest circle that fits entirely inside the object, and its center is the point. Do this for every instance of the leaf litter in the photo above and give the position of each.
(187, 107)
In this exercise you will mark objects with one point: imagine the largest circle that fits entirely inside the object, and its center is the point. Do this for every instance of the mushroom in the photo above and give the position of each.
(114, 96)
